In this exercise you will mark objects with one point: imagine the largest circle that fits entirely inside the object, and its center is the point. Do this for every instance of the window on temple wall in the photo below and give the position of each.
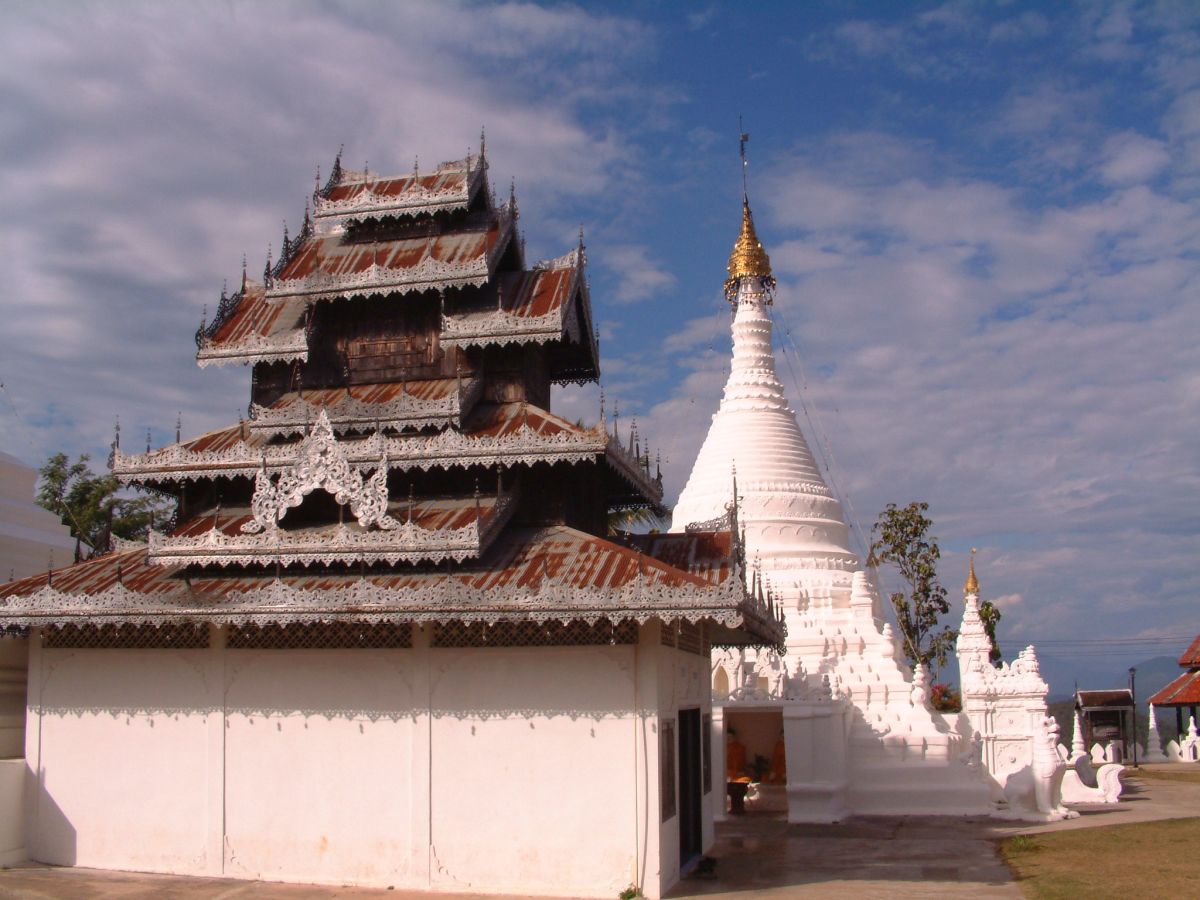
(721, 682)
(667, 767)
(706, 752)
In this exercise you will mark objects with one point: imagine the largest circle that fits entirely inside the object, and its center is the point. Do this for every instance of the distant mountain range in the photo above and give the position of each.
(1092, 674)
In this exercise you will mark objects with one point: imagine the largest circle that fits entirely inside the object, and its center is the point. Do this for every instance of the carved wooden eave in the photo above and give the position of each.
(294, 413)
(363, 601)
(358, 197)
(247, 329)
(447, 449)
(594, 581)
(499, 327)
(404, 542)
(255, 348)
(429, 274)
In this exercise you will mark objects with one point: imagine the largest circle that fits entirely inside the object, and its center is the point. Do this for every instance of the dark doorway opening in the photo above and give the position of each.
(690, 771)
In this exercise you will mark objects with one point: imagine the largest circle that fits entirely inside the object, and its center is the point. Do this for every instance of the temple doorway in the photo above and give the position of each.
(755, 759)
(690, 764)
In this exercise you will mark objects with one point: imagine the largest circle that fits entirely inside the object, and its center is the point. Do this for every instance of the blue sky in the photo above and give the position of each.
(985, 220)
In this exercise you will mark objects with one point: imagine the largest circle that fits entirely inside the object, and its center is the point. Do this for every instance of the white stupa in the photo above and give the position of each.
(899, 758)
(794, 524)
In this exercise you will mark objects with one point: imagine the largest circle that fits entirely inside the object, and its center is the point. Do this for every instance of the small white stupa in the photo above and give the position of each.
(895, 755)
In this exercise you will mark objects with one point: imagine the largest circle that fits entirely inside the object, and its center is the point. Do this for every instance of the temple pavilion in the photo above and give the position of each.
(386, 639)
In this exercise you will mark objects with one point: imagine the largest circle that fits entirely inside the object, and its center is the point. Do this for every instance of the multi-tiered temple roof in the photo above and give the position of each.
(400, 462)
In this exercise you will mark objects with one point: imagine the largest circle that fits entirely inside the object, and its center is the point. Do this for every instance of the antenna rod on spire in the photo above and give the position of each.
(742, 152)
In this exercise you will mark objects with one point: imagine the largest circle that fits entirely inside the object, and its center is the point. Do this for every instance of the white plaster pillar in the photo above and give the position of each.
(815, 738)
(214, 714)
(420, 757)
(718, 763)
(34, 777)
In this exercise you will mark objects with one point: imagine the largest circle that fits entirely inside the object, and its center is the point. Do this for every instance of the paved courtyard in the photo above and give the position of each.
(758, 856)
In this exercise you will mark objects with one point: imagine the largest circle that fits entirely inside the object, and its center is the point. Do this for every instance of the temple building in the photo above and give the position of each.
(386, 639)
(853, 724)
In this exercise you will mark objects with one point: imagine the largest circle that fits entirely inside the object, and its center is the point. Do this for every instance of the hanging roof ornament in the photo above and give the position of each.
(972, 585)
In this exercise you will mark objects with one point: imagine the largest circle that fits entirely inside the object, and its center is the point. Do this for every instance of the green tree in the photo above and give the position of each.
(989, 614)
(901, 537)
(92, 507)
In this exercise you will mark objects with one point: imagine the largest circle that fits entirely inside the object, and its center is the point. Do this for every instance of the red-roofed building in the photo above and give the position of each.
(386, 639)
(1184, 692)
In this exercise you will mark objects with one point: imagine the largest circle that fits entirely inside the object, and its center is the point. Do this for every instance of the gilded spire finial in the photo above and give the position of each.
(972, 585)
(748, 257)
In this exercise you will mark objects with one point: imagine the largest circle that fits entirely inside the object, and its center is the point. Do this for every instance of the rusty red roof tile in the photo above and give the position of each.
(525, 556)
(1191, 656)
(1183, 691)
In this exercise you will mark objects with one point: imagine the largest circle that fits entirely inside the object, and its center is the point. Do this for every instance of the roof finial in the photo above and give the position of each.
(482, 142)
(243, 273)
(178, 425)
(972, 585)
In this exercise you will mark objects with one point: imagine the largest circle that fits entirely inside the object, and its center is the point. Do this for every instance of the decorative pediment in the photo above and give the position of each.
(320, 463)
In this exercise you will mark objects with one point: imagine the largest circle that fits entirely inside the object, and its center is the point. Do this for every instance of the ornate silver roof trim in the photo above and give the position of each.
(255, 348)
(320, 463)
(500, 327)
(446, 449)
(632, 469)
(641, 600)
(404, 542)
(416, 200)
(349, 413)
(428, 274)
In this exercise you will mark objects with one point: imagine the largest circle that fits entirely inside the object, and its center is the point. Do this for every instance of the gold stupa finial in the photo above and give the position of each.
(972, 585)
(748, 259)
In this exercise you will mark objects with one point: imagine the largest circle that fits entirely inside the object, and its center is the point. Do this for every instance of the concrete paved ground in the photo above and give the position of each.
(757, 856)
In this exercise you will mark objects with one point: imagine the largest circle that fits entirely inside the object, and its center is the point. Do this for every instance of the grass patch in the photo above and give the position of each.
(1186, 775)
(1143, 859)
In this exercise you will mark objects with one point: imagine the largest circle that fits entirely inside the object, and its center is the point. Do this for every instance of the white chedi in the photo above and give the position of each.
(795, 530)
(1154, 747)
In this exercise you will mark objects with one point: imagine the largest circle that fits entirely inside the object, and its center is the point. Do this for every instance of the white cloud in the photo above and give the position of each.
(638, 277)
(1130, 158)
(149, 147)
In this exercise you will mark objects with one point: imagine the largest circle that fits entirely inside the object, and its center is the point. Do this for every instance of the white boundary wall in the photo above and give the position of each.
(531, 770)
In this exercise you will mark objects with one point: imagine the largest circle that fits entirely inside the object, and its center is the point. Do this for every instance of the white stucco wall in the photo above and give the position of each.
(530, 770)
(121, 763)
(318, 785)
(531, 758)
